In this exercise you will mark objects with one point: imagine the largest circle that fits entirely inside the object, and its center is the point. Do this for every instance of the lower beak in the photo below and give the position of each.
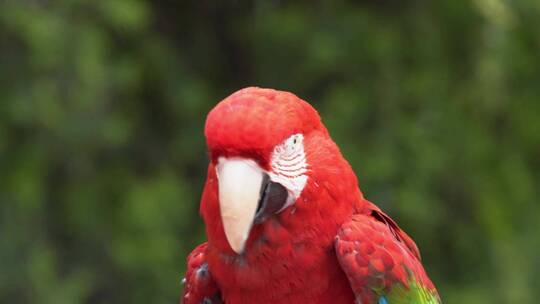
(246, 196)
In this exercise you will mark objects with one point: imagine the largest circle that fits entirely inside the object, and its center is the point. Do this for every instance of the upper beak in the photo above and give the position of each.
(246, 196)
(240, 183)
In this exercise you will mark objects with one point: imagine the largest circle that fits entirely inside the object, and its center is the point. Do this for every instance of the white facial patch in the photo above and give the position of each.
(289, 166)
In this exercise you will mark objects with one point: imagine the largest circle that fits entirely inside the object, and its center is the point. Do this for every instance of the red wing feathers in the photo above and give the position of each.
(377, 256)
(199, 286)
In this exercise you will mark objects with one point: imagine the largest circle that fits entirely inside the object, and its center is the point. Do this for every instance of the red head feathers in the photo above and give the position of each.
(252, 121)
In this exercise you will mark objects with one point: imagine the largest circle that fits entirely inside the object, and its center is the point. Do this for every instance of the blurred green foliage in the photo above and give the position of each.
(102, 157)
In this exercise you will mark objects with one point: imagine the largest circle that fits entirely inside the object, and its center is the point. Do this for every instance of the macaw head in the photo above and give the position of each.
(270, 153)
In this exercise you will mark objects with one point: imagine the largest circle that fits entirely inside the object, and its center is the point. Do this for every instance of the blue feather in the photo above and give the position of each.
(382, 300)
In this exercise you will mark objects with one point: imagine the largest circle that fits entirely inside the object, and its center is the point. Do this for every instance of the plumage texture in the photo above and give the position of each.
(330, 246)
(382, 262)
(199, 286)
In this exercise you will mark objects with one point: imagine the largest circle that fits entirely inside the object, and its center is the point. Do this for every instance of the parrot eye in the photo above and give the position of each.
(289, 166)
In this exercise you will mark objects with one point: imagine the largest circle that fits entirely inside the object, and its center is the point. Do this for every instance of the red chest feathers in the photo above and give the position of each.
(274, 272)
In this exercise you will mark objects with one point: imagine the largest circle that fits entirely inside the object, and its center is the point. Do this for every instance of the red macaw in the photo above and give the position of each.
(285, 219)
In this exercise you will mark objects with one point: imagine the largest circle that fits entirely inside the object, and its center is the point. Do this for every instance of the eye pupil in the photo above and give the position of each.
(294, 141)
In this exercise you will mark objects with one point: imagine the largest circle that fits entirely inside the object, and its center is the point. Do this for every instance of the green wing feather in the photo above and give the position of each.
(415, 294)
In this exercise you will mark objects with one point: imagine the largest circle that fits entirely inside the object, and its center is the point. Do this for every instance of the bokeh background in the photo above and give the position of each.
(102, 155)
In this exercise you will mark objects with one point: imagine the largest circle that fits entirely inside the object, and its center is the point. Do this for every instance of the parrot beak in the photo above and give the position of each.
(246, 196)
(239, 188)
